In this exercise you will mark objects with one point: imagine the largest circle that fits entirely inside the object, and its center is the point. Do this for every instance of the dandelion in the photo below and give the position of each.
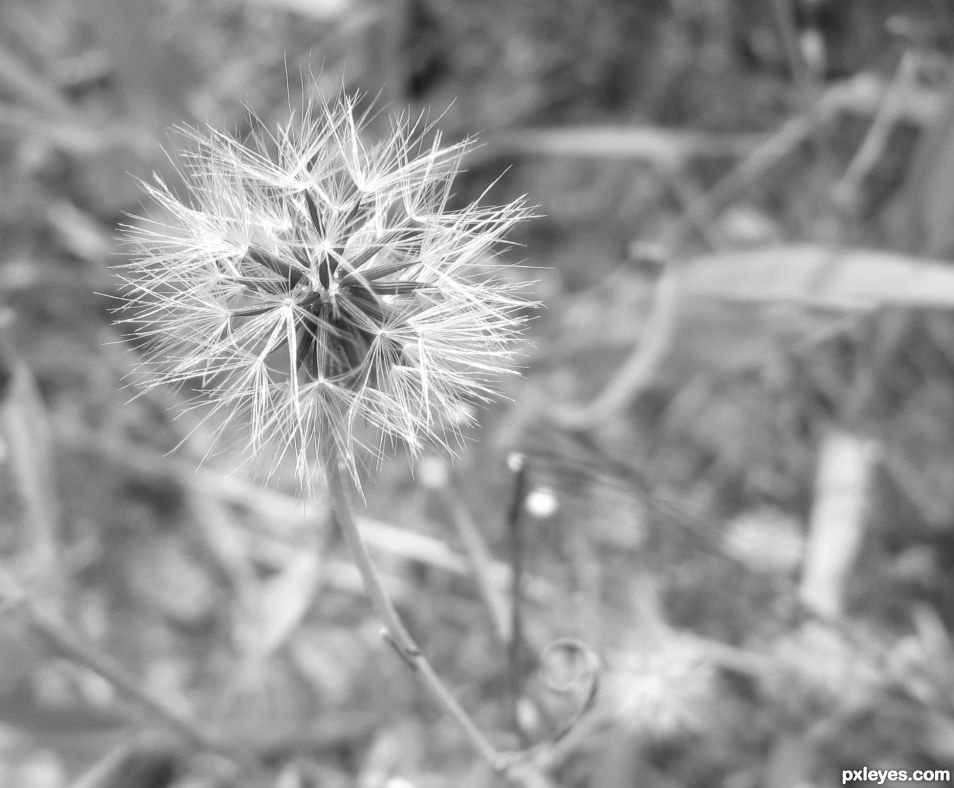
(323, 297)
(662, 690)
(320, 293)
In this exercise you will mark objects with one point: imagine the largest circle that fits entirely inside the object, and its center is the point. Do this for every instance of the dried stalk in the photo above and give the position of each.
(395, 631)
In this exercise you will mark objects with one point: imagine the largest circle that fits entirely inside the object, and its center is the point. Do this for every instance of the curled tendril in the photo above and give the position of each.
(568, 666)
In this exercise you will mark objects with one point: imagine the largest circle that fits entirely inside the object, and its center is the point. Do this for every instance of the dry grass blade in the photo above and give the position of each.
(861, 95)
(847, 191)
(318, 9)
(24, 428)
(282, 604)
(837, 525)
(641, 367)
(669, 146)
(795, 295)
(273, 505)
(437, 477)
(819, 276)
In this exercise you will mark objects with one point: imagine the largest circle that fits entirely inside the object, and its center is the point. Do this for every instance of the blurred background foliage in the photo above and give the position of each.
(731, 452)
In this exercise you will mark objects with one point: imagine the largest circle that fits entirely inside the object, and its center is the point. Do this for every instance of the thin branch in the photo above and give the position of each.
(638, 371)
(479, 558)
(846, 192)
(784, 19)
(518, 466)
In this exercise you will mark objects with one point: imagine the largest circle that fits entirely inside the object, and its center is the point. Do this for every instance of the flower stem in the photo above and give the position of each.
(395, 632)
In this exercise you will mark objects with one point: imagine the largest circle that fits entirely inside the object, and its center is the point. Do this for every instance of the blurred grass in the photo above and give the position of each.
(662, 141)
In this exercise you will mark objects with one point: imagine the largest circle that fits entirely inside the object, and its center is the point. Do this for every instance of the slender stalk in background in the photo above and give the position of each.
(395, 631)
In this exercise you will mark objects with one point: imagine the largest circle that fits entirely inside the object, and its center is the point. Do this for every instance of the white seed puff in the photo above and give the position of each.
(317, 290)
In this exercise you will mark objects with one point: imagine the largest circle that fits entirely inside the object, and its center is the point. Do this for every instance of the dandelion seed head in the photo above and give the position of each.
(664, 690)
(320, 293)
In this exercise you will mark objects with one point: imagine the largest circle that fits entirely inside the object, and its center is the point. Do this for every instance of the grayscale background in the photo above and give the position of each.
(731, 453)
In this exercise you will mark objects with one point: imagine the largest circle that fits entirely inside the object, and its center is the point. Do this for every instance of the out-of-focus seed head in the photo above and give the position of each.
(319, 290)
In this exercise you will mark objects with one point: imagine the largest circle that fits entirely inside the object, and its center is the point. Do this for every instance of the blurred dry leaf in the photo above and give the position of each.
(283, 604)
(765, 540)
(25, 435)
(931, 677)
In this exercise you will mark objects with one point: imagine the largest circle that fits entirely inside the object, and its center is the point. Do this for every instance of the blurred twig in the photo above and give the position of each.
(785, 21)
(518, 466)
(277, 611)
(807, 72)
(640, 367)
(847, 190)
(925, 207)
(479, 557)
(860, 95)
